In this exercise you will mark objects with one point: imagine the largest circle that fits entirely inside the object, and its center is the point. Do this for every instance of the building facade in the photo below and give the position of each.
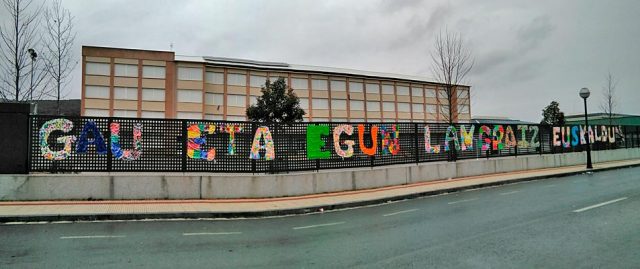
(159, 84)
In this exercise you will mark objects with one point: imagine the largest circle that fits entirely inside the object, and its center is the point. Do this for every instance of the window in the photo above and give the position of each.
(152, 114)
(442, 94)
(215, 78)
(463, 109)
(125, 93)
(373, 120)
(356, 105)
(417, 108)
(357, 120)
(189, 115)
(275, 77)
(125, 113)
(431, 108)
(126, 70)
(212, 117)
(257, 81)
(338, 86)
(102, 69)
(339, 104)
(373, 88)
(339, 120)
(236, 100)
(213, 99)
(96, 92)
(253, 100)
(319, 84)
(355, 86)
(320, 103)
(402, 90)
(304, 103)
(444, 110)
(92, 112)
(153, 71)
(373, 106)
(416, 91)
(190, 73)
(387, 89)
(300, 83)
(189, 96)
(153, 94)
(431, 93)
(404, 107)
(237, 79)
(388, 106)
(463, 94)
(316, 119)
(236, 118)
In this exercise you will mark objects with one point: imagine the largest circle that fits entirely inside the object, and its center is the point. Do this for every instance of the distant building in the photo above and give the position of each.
(159, 84)
(497, 120)
(67, 107)
(603, 119)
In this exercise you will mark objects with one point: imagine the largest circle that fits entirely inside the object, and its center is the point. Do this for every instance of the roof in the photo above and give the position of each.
(497, 120)
(223, 61)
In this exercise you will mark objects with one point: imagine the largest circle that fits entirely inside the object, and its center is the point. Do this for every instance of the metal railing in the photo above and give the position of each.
(176, 145)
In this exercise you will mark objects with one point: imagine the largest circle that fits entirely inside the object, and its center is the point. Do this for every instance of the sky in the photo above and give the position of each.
(526, 53)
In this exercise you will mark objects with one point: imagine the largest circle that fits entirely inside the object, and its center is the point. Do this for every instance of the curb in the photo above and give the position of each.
(283, 212)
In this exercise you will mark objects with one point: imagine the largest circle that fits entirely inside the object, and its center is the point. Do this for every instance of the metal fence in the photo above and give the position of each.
(165, 145)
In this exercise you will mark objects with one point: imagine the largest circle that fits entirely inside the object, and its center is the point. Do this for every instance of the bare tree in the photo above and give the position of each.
(451, 63)
(609, 103)
(19, 41)
(59, 37)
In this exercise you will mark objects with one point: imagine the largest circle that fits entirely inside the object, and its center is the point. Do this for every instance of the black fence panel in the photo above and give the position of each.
(76, 144)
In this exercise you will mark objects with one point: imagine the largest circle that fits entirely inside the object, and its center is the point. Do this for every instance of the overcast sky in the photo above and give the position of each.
(527, 53)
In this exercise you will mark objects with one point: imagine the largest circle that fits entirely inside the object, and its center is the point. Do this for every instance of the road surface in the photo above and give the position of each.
(583, 221)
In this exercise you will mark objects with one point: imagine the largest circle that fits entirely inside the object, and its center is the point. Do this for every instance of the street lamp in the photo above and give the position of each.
(584, 93)
(34, 56)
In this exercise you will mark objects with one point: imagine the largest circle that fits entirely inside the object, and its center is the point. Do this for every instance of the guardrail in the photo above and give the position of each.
(77, 144)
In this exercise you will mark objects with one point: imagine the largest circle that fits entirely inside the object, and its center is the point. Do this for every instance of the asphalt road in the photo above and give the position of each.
(584, 221)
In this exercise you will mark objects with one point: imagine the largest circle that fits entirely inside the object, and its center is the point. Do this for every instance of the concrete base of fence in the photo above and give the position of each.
(103, 186)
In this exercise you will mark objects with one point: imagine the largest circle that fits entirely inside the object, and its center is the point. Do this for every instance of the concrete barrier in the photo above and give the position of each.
(208, 186)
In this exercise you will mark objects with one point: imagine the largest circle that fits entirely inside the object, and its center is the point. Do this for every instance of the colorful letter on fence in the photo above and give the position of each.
(427, 141)
(466, 138)
(534, 138)
(315, 142)
(566, 136)
(197, 141)
(583, 134)
(347, 129)
(451, 135)
(556, 136)
(390, 140)
(98, 139)
(374, 140)
(63, 125)
(523, 143)
(231, 129)
(510, 137)
(264, 133)
(127, 155)
(486, 144)
(498, 135)
(575, 138)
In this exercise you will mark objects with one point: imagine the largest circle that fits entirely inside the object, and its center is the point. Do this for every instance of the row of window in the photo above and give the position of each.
(125, 70)
(124, 93)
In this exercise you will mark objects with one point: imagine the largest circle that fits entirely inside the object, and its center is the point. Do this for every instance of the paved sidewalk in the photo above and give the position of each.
(234, 208)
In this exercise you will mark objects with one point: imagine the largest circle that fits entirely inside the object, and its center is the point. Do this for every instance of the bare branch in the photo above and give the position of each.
(608, 104)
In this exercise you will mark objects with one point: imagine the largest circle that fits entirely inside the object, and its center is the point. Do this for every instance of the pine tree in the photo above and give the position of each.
(278, 103)
(552, 115)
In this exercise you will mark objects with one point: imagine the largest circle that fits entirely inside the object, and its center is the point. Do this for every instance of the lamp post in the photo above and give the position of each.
(584, 93)
(34, 56)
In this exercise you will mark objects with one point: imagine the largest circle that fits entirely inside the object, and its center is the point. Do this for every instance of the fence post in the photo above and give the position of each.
(253, 161)
(415, 142)
(184, 144)
(30, 141)
(109, 153)
(540, 139)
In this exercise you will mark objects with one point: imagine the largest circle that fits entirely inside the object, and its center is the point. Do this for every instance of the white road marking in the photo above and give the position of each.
(400, 212)
(219, 233)
(319, 225)
(507, 193)
(91, 236)
(462, 201)
(599, 205)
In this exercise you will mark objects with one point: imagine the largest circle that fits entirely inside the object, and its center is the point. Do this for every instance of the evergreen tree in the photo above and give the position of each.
(552, 115)
(278, 103)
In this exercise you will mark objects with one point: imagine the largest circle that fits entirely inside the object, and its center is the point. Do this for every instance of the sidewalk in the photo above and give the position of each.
(235, 208)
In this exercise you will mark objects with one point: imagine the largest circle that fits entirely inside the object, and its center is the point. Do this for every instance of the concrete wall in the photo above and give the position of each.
(197, 186)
